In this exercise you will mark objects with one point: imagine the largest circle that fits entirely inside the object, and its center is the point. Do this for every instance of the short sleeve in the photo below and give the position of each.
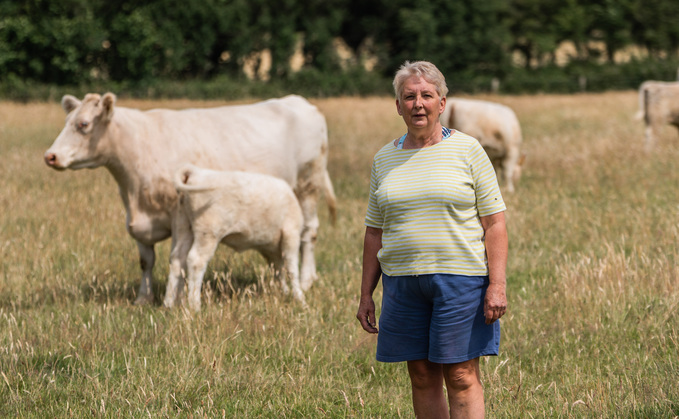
(488, 196)
(373, 217)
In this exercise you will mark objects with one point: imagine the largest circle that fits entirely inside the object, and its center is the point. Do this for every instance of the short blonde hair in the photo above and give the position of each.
(424, 69)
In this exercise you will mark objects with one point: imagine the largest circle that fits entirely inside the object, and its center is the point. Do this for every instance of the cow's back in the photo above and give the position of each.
(662, 103)
(276, 137)
(493, 124)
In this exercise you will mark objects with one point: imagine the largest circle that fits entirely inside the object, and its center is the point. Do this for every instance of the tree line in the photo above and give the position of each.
(71, 42)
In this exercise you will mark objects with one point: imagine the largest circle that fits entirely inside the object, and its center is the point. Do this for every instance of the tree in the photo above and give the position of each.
(533, 28)
(321, 22)
(612, 24)
(53, 42)
(655, 25)
(459, 37)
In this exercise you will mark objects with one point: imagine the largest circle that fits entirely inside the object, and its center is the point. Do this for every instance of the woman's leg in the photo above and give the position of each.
(426, 379)
(465, 393)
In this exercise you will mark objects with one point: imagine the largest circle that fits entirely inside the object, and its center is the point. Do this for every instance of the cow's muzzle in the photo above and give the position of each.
(52, 161)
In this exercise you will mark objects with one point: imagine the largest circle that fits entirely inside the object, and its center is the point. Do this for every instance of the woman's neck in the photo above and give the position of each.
(423, 138)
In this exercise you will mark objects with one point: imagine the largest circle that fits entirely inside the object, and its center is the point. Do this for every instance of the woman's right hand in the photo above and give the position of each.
(370, 276)
(366, 314)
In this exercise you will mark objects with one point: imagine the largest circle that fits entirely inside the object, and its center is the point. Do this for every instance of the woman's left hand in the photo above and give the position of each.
(495, 304)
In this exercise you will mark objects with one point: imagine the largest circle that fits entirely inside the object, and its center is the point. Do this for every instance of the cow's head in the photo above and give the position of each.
(78, 144)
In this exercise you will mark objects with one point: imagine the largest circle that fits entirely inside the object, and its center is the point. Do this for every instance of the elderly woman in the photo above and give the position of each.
(435, 233)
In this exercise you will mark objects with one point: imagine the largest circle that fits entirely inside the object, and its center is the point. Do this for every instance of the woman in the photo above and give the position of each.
(435, 232)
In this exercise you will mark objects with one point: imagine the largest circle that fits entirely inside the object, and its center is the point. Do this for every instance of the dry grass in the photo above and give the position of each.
(592, 331)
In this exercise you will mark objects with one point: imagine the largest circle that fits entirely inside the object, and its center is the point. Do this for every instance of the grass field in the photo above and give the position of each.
(592, 329)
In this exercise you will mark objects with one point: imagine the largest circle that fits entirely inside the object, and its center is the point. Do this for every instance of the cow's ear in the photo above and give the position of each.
(69, 102)
(107, 103)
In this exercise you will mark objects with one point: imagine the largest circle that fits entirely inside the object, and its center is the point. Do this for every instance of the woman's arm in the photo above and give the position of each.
(370, 278)
(495, 304)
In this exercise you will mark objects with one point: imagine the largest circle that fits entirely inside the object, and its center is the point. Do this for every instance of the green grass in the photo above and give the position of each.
(592, 328)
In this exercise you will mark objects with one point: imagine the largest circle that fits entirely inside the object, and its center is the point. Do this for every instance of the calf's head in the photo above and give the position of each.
(78, 145)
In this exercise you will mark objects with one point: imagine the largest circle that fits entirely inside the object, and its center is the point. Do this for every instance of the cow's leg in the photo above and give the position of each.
(509, 167)
(147, 258)
(499, 171)
(201, 252)
(309, 206)
(182, 239)
(649, 137)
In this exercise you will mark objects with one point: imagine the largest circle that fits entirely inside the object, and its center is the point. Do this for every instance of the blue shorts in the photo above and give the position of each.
(438, 317)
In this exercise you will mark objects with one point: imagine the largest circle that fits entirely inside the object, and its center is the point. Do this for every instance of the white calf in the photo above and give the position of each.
(242, 210)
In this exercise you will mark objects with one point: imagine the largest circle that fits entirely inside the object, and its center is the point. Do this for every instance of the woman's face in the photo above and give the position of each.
(420, 105)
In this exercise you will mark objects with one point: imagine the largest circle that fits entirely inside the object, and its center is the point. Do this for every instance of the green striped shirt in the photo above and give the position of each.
(428, 201)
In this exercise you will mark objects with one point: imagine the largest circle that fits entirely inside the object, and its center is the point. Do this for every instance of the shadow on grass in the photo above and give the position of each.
(223, 280)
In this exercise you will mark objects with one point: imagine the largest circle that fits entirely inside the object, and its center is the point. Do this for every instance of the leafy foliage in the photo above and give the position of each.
(77, 42)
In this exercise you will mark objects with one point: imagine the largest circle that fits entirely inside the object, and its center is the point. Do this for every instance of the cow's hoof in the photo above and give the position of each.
(143, 300)
(307, 282)
(300, 299)
(302, 302)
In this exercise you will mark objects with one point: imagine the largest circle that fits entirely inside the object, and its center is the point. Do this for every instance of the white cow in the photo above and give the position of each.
(242, 210)
(285, 138)
(658, 106)
(496, 127)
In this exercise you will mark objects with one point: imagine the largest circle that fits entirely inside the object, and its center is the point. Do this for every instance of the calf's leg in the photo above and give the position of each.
(309, 205)
(202, 250)
(182, 239)
(279, 271)
(290, 258)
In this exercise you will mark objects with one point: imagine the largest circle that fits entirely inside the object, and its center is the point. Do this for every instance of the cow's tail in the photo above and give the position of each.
(330, 197)
(184, 180)
(641, 113)
(647, 119)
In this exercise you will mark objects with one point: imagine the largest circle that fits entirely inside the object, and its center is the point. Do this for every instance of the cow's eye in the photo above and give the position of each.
(83, 125)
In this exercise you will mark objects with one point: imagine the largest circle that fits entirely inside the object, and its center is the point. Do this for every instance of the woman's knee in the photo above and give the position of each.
(462, 376)
(425, 374)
